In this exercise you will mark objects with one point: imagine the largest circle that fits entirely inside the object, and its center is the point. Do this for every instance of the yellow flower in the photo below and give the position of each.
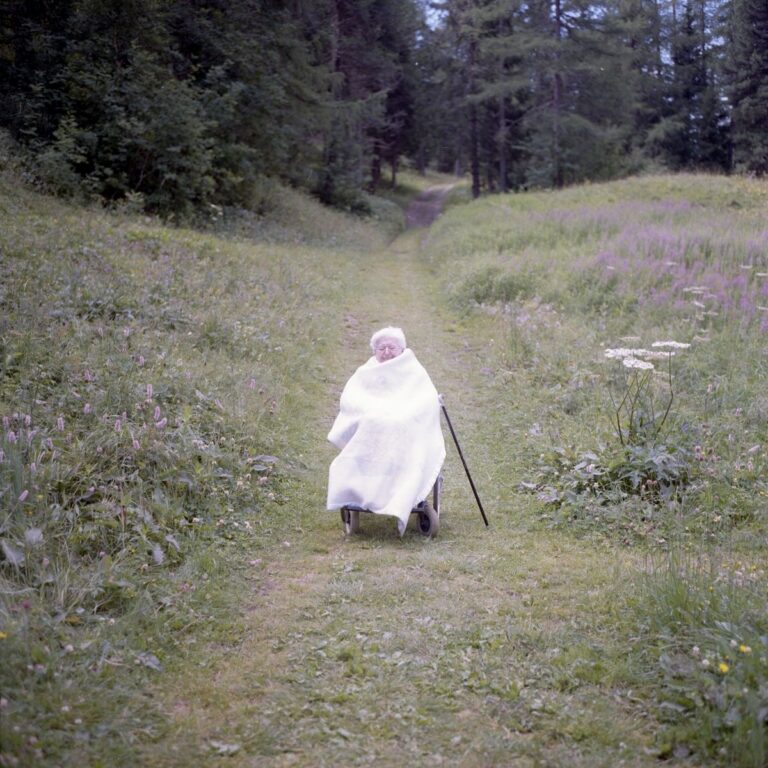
(3, 635)
(745, 649)
(723, 667)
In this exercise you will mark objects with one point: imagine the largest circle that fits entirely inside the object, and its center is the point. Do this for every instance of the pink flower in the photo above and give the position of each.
(87, 408)
(23, 495)
(150, 392)
(118, 425)
(140, 361)
(162, 423)
(157, 413)
(60, 423)
(11, 436)
(136, 444)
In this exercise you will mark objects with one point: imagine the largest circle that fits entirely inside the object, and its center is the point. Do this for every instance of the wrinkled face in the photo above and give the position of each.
(386, 348)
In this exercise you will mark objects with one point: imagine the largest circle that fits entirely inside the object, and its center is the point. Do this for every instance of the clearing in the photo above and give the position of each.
(482, 647)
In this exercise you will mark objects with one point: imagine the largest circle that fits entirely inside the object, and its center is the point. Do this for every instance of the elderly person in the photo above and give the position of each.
(388, 430)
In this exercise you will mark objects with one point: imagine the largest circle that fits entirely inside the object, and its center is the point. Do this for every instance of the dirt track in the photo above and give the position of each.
(427, 206)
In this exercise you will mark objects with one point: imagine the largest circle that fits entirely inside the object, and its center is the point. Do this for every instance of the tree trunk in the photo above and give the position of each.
(557, 95)
(503, 146)
(474, 153)
(375, 169)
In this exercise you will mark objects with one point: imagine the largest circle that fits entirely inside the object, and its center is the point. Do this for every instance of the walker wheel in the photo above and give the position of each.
(429, 522)
(351, 520)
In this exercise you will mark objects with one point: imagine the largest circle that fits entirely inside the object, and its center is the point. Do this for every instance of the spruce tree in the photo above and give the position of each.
(749, 85)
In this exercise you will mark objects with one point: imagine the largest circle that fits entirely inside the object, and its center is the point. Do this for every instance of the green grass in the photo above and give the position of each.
(186, 599)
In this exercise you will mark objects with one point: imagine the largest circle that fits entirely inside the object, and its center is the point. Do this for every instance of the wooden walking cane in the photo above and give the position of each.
(463, 461)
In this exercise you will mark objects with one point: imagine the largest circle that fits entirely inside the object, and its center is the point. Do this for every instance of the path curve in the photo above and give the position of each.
(425, 208)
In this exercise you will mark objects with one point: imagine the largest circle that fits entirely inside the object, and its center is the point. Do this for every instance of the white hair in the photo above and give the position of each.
(390, 333)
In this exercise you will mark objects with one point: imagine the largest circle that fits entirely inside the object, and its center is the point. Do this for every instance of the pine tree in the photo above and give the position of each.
(749, 85)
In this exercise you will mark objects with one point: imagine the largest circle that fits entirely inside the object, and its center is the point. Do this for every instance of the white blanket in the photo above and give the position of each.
(388, 430)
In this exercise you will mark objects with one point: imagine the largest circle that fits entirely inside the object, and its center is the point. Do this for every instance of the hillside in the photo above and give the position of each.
(174, 592)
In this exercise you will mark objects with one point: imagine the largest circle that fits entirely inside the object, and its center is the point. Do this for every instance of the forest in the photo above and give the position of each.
(183, 107)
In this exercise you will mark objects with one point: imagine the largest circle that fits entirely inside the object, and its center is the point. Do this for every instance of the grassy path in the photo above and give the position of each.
(479, 648)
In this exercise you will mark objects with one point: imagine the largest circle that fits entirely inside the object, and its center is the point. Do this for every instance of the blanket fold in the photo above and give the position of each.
(388, 430)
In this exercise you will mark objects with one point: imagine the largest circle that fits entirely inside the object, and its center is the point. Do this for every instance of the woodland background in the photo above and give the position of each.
(183, 107)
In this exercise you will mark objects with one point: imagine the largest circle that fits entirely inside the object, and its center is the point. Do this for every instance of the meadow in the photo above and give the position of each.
(172, 590)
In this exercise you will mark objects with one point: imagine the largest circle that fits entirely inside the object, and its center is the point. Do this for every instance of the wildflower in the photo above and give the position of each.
(745, 648)
(118, 425)
(136, 444)
(23, 495)
(162, 423)
(633, 362)
(140, 361)
(150, 392)
(705, 663)
(11, 436)
(723, 667)
(3, 635)
(733, 643)
(87, 408)
(60, 423)
(695, 650)
(158, 414)
(671, 344)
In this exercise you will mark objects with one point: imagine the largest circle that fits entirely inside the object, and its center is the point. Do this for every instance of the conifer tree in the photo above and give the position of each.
(748, 76)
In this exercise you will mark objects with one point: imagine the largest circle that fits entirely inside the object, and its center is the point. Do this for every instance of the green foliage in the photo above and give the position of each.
(704, 638)
(492, 285)
(576, 480)
(144, 454)
(748, 80)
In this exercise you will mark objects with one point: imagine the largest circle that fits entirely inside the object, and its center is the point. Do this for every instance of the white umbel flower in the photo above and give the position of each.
(641, 365)
(671, 344)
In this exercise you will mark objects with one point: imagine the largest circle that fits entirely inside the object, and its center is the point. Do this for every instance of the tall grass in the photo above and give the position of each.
(625, 265)
(145, 374)
(703, 620)
(565, 276)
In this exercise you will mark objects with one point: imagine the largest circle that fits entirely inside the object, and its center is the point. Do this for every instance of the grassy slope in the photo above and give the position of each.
(512, 645)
